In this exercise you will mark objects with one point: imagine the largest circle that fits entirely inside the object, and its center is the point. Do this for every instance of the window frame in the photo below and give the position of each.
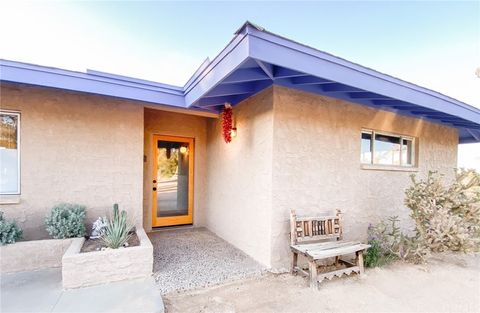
(19, 123)
(373, 134)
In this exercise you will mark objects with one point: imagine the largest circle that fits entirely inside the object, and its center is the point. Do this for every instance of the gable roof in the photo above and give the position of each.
(254, 60)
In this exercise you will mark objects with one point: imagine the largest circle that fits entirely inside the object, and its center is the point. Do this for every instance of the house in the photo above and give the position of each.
(314, 132)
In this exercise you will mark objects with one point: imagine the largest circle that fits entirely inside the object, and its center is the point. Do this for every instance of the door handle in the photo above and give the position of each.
(154, 188)
(154, 181)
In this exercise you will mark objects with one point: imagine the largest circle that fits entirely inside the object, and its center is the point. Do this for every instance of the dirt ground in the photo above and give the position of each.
(449, 283)
(97, 244)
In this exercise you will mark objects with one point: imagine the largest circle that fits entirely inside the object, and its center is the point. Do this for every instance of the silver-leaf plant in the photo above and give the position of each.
(66, 220)
(10, 232)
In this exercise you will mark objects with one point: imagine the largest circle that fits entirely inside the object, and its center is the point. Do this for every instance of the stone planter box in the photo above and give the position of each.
(33, 255)
(99, 267)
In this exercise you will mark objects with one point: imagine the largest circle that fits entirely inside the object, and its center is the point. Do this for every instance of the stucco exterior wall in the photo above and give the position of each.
(176, 124)
(239, 178)
(316, 163)
(77, 148)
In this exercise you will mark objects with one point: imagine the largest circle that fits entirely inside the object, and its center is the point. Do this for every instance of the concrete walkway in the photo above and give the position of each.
(190, 258)
(41, 291)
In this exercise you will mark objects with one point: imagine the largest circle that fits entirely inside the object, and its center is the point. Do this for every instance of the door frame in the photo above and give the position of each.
(180, 219)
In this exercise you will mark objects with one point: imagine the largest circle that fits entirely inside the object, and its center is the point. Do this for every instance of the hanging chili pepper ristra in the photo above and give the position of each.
(227, 122)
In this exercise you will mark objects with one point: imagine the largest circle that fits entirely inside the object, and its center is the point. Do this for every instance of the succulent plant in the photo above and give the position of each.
(117, 231)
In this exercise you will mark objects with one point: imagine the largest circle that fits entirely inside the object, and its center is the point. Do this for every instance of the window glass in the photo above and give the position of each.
(407, 152)
(366, 154)
(387, 150)
(9, 153)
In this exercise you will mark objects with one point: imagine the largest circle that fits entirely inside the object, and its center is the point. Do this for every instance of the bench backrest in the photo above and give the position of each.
(305, 229)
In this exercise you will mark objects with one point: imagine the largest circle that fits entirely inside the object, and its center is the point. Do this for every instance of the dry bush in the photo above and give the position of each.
(447, 218)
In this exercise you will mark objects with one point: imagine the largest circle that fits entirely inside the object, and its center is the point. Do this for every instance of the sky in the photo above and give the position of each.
(433, 44)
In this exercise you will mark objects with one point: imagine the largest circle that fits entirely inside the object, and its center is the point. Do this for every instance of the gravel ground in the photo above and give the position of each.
(195, 257)
(449, 283)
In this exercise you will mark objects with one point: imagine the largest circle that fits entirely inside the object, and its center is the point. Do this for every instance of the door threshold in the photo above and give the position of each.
(175, 227)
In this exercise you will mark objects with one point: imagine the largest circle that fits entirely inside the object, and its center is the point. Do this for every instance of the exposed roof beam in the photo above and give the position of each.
(392, 102)
(309, 80)
(266, 67)
(245, 75)
(338, 88)
(474, 134)
(230, 89)
(366, 95)
(282, 72)
(466, 125)
(213, 101)
(404, 107)
(431, 113)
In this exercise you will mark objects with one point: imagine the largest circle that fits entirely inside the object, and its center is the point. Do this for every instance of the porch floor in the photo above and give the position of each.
(191, 258)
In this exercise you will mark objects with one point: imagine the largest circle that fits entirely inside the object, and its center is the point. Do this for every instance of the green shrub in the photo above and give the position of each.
(9, 231)
(384, 238)
(66, 220)
(117, 231)
(374, 255)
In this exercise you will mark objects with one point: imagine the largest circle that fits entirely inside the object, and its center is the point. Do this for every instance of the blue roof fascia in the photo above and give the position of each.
(230, 58)
(93, 82)
(164, 87)
(277, 50)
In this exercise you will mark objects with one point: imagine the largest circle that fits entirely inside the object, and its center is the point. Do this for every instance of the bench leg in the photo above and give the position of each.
(294, 262)
(312, 267)
(359, 261)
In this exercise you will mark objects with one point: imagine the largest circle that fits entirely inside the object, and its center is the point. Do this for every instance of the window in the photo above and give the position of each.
(9, 153)
(381, 148)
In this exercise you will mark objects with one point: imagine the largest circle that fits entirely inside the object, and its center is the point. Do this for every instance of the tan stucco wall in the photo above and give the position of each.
(316, 163)
(239, 178)
(75, 148)
(176, 124)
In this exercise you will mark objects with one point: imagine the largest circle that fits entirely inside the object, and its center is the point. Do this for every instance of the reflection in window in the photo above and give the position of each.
(172, 178)
(366, 156)
(9, 153)
(386, 149)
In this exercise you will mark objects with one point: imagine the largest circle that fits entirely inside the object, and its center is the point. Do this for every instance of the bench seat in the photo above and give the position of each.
(318, 238)
(328, 249)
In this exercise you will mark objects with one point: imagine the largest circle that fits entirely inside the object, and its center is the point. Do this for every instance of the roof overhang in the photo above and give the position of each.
(257, 59)
(254, 60)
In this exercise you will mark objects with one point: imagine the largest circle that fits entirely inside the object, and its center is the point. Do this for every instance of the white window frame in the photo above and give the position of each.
(401, 137)
(18, 115)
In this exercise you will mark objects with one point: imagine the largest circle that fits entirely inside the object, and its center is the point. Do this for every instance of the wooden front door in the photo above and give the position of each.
(172, 182)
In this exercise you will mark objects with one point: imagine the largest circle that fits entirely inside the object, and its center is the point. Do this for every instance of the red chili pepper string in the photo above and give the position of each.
(227, 124)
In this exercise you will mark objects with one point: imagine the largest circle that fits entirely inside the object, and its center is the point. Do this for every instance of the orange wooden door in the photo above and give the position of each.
(172, 183)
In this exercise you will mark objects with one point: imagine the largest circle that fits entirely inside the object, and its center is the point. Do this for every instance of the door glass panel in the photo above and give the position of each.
(172, 178)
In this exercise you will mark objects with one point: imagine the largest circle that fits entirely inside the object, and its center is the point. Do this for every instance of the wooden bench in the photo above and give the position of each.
(319, 238)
